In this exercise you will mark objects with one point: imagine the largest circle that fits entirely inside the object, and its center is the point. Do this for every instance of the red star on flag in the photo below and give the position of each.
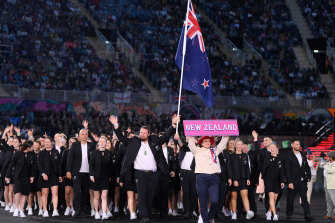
(205, 84)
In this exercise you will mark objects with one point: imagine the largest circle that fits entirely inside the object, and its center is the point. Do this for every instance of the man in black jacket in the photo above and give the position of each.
(162, 190)
(142, 152)
(298, 173)
(78, 169)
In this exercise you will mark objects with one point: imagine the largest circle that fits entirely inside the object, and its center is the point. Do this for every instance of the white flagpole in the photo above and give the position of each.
(182, 64)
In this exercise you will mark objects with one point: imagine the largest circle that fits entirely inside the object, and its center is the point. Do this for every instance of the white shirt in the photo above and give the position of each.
(165, 152)
(145, 160)
(298, 155)
(311, 165)
(84, 168)
(187, 161)
(58, 149)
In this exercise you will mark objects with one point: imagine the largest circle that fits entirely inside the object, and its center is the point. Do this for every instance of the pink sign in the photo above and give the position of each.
(211, 127)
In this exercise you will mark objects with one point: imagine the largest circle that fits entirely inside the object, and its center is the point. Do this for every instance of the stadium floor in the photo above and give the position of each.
(318, 210)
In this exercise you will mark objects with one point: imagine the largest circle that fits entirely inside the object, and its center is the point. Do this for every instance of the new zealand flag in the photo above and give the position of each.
(197, 73)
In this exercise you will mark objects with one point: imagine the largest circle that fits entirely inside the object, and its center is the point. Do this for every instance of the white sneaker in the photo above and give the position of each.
(226, 212)
(92, 213)
(268, 216)
(45, 214)
(67, 211)
(7, 208)
(233, 216)
(170, 212)
(16, 213)
(195, 214)
(40, 212)
(200, 219)
(22, 215)
(55, 213)
(181, 205)
(133, 216)
(250, 214)
(104, 216)
(109, 214)
(30, 211)
(73, 212)
(275, 217)
(12, 209)
(3, 204)
(97, 216)
(174, 213)
(100, 212)
(116, 210)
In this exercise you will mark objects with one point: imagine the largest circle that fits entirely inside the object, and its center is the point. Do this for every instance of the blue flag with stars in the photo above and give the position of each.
(197, 73)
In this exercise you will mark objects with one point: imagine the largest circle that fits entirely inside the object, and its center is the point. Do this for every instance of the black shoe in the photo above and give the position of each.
(289, 218)
(309, 218)
(220, 216)
(145, 220)
(76, 215)
(187, 216)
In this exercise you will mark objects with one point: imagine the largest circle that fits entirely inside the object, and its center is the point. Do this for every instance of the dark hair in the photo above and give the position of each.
(146, 127)
(26, 145)
(293, 140)
(48, 137)
(75, 139)
(38, 142)
(18, 138)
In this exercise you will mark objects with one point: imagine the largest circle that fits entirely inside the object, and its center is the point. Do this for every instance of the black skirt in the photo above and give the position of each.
(22, 185)
(130, 186)
(53, 180)
(272, 185)
(68, 182)
(242, 185)
(100, 184)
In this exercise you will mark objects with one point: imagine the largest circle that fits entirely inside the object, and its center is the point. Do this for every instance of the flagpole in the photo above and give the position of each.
(182, 64)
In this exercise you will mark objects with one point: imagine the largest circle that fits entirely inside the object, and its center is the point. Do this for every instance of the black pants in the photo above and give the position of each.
(300, 188)
(189, 191)
(146, 183)
(251, 197)
(223, 189)
(162, 193)
(81, 184)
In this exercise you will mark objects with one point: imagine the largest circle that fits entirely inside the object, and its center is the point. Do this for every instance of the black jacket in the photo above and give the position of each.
(17, 164)
(255, 169)
(182, 152)
(8, 154)
(49, 163)
(273, 169)
(155, 144)
(171, 164)
(74, 157)
(64, 161)
(294, 172)
(225, 165)
(240, 167)
(95, 163)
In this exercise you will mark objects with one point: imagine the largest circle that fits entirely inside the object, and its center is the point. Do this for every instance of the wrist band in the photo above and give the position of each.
(116, 124)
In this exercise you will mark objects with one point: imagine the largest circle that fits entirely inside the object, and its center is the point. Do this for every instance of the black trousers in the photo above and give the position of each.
(162, 193)
(223, 190)
(146, 183)
(81, 187)
(188, 183)
(251, 197)
(300, 188)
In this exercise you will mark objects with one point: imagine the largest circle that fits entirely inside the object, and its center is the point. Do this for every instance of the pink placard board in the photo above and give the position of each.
(227, 127)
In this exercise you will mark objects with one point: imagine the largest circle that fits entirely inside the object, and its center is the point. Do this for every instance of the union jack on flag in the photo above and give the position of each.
(197, 73)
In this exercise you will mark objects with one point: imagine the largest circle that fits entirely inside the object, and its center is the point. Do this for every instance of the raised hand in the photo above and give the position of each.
(254, 134)
(17, 130)
(85, 124)
(113, 119)
(175, 119)
(176, 137)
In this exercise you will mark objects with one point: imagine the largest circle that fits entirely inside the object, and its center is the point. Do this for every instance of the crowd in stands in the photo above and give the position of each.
(50, 50)
(320, 15)
(52, 122)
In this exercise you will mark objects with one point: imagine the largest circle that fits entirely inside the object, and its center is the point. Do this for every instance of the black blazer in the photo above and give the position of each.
(155, 143)
(64, 161)
(272, 168)
(95, 163)
(74, 157)
(171, 164)
(49, 162)
(294, 172)
(255, 169)
(225, 165)
(17, 164)
(7, 158)
(182, 153)
(240, 166)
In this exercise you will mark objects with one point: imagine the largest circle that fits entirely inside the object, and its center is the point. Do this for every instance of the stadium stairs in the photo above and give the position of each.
(301, 52)
(323, 146)
(265, 65)
(100, 48)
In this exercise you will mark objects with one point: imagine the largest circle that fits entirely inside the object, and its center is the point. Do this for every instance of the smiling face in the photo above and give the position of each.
(16, 143)
(144, 134)
(48, 144)
(273, 149)
(267, 141)
(102, 143)
(239, 146)
(206, 143)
